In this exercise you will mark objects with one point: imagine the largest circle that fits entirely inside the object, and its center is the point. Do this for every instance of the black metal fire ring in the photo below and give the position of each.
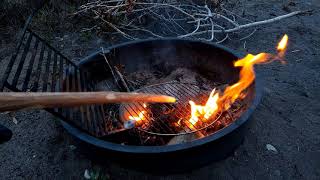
(177, 147)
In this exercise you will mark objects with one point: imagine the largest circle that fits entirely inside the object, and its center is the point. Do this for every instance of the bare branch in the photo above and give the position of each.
(172, 19)
(251, 24)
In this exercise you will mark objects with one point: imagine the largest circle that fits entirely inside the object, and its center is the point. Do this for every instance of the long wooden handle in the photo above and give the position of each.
(12, 101)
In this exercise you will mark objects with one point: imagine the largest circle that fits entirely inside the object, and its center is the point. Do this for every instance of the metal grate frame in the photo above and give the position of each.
(36, 66)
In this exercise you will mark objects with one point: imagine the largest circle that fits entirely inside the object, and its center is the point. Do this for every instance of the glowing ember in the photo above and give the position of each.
(217, 103)
(141, 115)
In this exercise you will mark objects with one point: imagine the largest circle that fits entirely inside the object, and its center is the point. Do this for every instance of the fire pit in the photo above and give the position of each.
(162, 137)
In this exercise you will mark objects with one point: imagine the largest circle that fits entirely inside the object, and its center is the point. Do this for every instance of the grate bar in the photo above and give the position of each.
(54, 71)
(81, 108)
(39, 69)
(89, 118)
(93, 110)
(61, 78)
(45, 75)
(29, 71)
(71, 86)
(22, 60)
(67, 89)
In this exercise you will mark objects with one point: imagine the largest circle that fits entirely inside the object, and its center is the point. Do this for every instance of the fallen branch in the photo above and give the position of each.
(251, 24)
(263, 22)
(176, 19)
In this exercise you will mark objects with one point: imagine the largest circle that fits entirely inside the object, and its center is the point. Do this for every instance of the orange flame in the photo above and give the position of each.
(283, 43)
(216, 103)
(205, 111)
(141, 115)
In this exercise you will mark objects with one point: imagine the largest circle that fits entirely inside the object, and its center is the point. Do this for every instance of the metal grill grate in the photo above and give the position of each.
(168, 119)
(38, 67)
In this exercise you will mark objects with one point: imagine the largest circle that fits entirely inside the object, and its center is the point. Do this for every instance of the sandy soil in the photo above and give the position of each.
(288, 117)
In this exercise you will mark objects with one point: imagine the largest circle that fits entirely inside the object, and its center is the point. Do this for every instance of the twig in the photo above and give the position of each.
(110, 67)
(113, 26)
(225, 38)
(122, 79)
(192, 33)
(88, 29)
(246, 37)
(252, 24)
(263, 22)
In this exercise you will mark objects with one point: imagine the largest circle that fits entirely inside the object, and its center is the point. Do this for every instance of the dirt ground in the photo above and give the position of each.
(288, 117)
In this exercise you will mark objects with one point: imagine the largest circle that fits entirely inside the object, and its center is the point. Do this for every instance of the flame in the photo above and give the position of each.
(205, 111)
(141, 115)
(282, 46)
(217, 103)
(283, 43)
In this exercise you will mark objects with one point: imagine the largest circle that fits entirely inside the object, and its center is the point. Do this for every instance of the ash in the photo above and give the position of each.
(182, 75)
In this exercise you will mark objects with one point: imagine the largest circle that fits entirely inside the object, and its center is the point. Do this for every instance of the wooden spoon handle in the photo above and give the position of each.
(13, 101)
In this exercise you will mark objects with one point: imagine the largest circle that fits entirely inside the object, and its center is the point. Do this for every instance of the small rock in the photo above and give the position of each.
(13, 116)
(34, 156)
(271, 148)
(87, 174)
(14, 119)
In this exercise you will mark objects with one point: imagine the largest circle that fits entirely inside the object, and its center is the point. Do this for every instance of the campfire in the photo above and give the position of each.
(215, 96)
(197, 114)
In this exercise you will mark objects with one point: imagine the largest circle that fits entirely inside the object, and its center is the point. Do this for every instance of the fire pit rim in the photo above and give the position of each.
(168, 148)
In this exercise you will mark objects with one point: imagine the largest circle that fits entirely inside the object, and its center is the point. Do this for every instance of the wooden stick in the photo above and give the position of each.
(13, 101)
